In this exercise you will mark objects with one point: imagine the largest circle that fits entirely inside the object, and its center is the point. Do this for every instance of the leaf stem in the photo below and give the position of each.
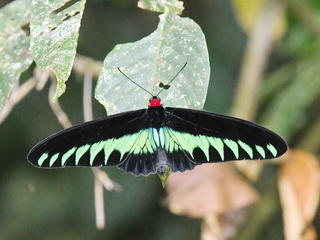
(16, 95)
(87, 96)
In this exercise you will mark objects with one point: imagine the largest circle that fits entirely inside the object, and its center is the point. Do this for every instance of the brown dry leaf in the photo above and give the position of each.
(211, 229)
(210, 191)
(222, 227)
(299, 186)
(251, 169)
(310, 233)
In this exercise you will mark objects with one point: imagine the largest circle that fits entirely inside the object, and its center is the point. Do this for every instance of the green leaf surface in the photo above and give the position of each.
(172, 6)
(54, 34)
(15, 56)
(154, 59)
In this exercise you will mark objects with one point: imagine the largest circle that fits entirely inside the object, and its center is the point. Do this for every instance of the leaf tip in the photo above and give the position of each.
(61, 88)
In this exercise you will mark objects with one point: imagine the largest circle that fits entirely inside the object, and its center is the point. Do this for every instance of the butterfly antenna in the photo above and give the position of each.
(135, 82)
(173, 78)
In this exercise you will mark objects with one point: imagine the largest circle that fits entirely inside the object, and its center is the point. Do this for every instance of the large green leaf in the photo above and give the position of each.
(154, 59)
(54, 34)
(15, 56)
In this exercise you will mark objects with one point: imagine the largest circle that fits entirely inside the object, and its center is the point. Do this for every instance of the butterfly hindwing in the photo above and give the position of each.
(209, 137)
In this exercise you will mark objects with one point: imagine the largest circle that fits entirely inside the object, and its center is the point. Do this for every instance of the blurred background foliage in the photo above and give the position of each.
(59, 204)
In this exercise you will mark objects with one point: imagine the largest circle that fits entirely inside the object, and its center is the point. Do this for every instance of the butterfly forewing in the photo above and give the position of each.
(209, 137)
(87, 144)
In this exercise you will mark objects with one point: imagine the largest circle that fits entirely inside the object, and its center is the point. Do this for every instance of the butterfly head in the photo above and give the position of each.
(155, 102)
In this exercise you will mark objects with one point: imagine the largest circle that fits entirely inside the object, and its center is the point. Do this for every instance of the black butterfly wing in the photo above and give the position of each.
(208, 137)
(140, 142)
(118, 140)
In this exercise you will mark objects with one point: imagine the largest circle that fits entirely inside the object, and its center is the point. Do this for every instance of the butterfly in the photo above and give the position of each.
(157, 140)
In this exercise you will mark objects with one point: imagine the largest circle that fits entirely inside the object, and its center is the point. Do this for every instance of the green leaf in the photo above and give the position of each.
(54, 35)
(15, 56)
(172, 6)
(154, 59)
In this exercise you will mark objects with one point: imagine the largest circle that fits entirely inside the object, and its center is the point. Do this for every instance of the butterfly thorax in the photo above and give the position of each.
(156, 117)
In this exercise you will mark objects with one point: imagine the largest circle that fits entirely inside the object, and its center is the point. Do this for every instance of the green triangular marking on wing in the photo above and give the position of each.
(80, 152)
(53, 159)
(185, 141)
(66, 156)
(144, 148)
(171, 145)
(95, 149)
(203, 144)
(272, 149)
(161, 137)
(156, 136)
(188, 140)
(142, 139)
(145, 143)
(124, 144)
(43, 157)
(233, 146)
(261, 151)
(107, 150)
(166, 138)
(152, 140)
(148, 146)
(218, 145)
(177, 136)
(136, 149)
(246, 148)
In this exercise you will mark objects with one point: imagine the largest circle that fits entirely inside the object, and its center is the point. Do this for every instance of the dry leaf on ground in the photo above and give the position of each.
(212, 192)
(299, 186)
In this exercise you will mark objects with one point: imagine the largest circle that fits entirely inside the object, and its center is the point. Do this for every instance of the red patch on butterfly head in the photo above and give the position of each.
(155, 102)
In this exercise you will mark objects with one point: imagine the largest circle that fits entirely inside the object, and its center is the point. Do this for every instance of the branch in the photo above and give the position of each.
(57, 109)
(16, 95)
